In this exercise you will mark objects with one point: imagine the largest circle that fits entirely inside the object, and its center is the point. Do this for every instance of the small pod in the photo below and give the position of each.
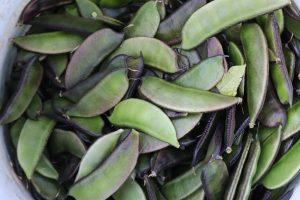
(278, 72)
(229, 129)
(262, 19)
(116, 168)
(90, 54)
(67, 23)
(196, 29)
(182, 99)
(214, 178)
(88, 9)
(130, 190)
(293, 122)
(257, 60)
(57, 64)
(249, 169)
(290, 60)
(156, 54)
(15, 130)
(269, 149)
(198, 195)
(273, 113)
(46, 169)
(113, 87)
(91, 124)
(284, 170)
(35, 107)
(47, 188)
(185, 184)
(136, 113)
(49, 43)
(292, 25)
(171, 27)
(237, 173)
(215, 146)
(66, 141)
(28, 85)
(145, 23)
(203, 76)
(233, 33)
(97, 153)
(28, 154)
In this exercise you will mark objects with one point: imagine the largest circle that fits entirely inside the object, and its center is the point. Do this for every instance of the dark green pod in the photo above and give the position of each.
(35, 107)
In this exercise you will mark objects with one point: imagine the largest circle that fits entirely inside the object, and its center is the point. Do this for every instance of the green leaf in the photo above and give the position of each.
(231, 80)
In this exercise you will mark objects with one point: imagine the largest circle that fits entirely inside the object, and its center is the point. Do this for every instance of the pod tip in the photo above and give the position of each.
(240, 100)
(251, 125)
(228, 150)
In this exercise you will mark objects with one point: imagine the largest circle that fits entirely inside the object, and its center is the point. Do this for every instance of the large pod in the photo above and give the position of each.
(182, 99)
(257, 60)
(222, 14)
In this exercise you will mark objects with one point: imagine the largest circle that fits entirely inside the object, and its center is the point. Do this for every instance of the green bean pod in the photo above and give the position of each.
(113, 3)
(36, 132)
(88, 9)
(171, 27)
(183, 99)
(290, 60)
(135, 113)
(49, 43)
(35, 107)
(57, 64)
(46, 168)
(97, 153)
(90, 54)
(15, 130)
(257, 60)
(155, 53)
(196, 29)
(244, 188)
(185, 184)
(292, 25)
(214, 177)
(262, 19)
(145, 23)
(198, 195)
(233, 33)
(269, 149)
(293, 122)
(47, 188)
(284, 170)
(130, 190)
(237, 173)
(113, 87)
(278, 72)
(203, 76)
(92, 124)
(24, 93)
(116, 168)
(67, 23)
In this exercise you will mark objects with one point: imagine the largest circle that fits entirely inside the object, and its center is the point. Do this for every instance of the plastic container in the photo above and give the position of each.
(10, 186)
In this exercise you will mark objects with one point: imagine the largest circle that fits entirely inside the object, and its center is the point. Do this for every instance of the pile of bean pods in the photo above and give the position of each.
(158, 100)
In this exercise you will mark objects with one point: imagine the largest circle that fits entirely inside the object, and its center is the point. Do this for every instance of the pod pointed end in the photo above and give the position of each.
(228, 150)
(251, 125)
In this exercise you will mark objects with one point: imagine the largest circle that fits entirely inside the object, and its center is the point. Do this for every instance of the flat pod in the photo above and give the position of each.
(136, 113)
(57, 63)
(49, 43)
(47, 188)
(90, 54)
(203, 76)
(198, 195)
(293, 122)
(292, 25)
(290, 60)
(116, 168)
(24, 93)
(97, 153)
(171, 27)
(35, 107)
(88, 9)
(183, 99)
(155, 53)
(66, 141)
(32, 141)
(15, 130)
(256, 53)
(130, 190)
(214, 178)
(182, 125)
(113, 87)
(284, 170)
(67, 23)
(269, 149)
(197, 29)
(92, 124)
(113, 3)
(185, 184)
(145, 23)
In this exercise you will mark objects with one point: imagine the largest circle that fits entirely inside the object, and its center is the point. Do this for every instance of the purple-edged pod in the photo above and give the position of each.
(27, 87)
(35, 7)
(153, 191)
(136, 113)
(290, 60)
(278, 71)
(229, 129)
(273, 113)
(90, 54)
(113, 87)
(183, 99)
(116, 168)
(67, 23)
(214, 148)
(214, 178)
(257, 59)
